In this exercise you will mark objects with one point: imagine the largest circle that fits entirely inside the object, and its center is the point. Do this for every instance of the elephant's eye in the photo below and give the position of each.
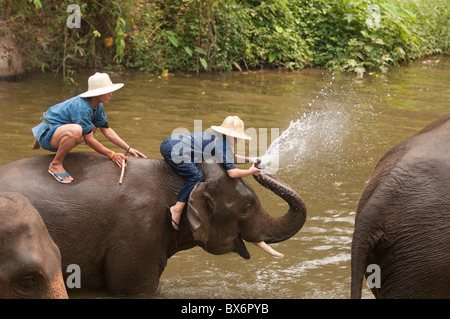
(27, 282)
(248, 208)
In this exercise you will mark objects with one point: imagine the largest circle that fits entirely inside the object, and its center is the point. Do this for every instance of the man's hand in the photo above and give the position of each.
(136, 153)
(118, 158)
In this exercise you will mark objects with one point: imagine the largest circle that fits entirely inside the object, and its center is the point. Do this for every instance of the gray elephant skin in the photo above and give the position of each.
(30, 262)
(119, 235)
(403, 219)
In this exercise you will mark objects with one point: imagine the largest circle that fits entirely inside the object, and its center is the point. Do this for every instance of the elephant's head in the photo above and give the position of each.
(30, 262)
(224, 211)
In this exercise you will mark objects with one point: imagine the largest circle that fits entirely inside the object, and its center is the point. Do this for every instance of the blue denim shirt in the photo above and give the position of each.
(76, 110)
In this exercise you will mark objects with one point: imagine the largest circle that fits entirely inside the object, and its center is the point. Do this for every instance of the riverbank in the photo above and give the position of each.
(206, 35)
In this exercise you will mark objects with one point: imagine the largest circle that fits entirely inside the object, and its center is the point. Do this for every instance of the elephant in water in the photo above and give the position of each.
(403, 220)
(119, 235)
(30, 262)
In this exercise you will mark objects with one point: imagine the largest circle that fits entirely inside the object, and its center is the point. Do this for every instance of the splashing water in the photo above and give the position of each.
(316, 136)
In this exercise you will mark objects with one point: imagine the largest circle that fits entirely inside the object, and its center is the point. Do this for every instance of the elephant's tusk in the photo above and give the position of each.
(269, 249)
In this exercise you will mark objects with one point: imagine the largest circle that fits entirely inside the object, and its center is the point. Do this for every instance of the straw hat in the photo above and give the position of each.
(232, 126)
(100, 84)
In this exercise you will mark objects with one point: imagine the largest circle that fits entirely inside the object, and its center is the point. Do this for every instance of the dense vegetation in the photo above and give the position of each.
(198, 35)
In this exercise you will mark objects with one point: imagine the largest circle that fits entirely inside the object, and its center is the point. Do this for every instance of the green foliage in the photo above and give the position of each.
(346, 35)
(272, 36)
(47, 43)
(120, 29)
(203, 35)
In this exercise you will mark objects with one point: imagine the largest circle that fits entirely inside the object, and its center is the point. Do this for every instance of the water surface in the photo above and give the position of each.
(334, 128)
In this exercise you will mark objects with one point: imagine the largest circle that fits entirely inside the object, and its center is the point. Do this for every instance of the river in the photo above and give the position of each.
(333, 129)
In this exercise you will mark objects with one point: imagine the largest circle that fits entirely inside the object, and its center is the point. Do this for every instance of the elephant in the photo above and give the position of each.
(30, 262)
(402, 223)
(118, 234)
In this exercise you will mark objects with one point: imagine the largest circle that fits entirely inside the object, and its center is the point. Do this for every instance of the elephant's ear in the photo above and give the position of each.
(199, 209)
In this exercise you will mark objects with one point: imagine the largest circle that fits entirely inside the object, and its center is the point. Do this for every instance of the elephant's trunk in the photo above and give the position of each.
(277, 229)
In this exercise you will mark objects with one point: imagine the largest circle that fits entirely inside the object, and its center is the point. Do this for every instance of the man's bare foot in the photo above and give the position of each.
(176, 216)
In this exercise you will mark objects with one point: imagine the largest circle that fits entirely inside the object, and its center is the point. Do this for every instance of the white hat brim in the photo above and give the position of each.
(232, 133)
(101, 91)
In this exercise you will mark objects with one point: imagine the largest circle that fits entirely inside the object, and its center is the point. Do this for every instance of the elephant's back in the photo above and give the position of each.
(423, 154)
(94, 205)
(422, 172)
(96, 181)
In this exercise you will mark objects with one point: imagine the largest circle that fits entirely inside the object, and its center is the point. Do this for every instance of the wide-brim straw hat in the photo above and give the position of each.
(100, 84)
(232, 126)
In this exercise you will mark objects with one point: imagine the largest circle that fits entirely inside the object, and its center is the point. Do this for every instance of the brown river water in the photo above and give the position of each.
(333, 130)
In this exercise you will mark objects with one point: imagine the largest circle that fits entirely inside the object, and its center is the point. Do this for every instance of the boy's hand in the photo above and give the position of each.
(255, 171)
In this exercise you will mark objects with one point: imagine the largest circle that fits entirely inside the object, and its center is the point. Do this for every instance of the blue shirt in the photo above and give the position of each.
(199, 147)
(76, 110)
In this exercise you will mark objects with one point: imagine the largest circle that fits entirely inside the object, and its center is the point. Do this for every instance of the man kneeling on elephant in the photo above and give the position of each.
(67, 124)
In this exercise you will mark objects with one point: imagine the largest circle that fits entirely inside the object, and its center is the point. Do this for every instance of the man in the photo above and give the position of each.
(67, 124)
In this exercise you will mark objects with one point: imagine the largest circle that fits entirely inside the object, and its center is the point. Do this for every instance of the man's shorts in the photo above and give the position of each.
(45, 138)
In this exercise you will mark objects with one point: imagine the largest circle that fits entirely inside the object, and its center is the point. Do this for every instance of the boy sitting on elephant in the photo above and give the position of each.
(183, 151)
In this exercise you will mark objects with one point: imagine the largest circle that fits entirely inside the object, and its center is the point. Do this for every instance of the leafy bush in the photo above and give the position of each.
(198, 35)
(348, 35)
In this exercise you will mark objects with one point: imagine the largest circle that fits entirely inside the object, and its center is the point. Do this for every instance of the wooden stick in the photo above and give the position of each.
(123, 167)
(123, 172)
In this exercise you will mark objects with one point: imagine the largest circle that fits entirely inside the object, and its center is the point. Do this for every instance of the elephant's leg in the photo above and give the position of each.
(132, 273)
